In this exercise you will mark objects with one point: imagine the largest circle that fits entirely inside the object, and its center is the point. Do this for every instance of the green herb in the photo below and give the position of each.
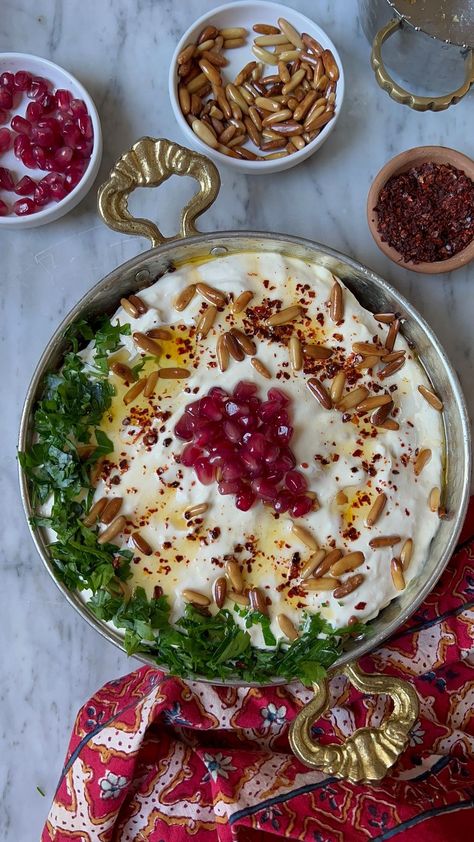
(69, 414)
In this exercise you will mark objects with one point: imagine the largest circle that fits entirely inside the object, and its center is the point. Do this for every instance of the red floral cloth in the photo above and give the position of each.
(159, 759)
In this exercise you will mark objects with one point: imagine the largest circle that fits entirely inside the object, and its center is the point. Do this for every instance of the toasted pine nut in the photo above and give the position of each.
(421, 460)
(184, 297)
(353, 398)
(385, 318)
(134, 391)
(146, 344)
(311, 44)
(330, 65)
(283, 317)
(381, 414)
(141, 543)
(321, 584)
(196, 510)
(283, 72)
(391, 368)
(432, 399)
(287, 627)
(348, 586)
(294, 81)
(239, 598)
(336, 310)
(394, 355)
(389, 424)
(265, 29)
(434, 499)
(313, 562)
(406, 553)
(246, 343)
(367, 363)
(267, 103)
(290, 32)
(233, 571)
(337, 386)
(129, 308)
(95, 511)
(235, 350)
(320, 393)
(368, 348)
(210, 71)
(277, 117)
(392, 334)
(245, 73)
(233, 32)
(211, 295)
(123, 371)
(257, 601)
(318, 352)
(261, 368)
(205, 322)
(207, 33)
(117, 526)
(376, 509)
(219, 591)
(296, 353)
(288, 56)
(264, 55)
(111, 509)
(204, 133)
(327, 562)
(234, 95)
(398, 578)
(173, 373)
(341, 498)
(195, 597)
(255, 117)
(374, 402)
(241, 301)
(270, 40)
(233, 43)
(384, 541)
(349, 562)
(304, 536)
(303, 107)
(150, 384)
(222, 353)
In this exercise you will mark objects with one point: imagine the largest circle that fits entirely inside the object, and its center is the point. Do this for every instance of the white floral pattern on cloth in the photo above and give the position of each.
(217, 766)
(273, 716)
(111, 784)
(417, 734)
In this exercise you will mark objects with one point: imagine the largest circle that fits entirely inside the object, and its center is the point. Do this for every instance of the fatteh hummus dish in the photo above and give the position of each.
(257, 470)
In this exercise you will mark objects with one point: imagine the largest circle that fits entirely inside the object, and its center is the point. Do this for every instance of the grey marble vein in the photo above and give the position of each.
(51, 661)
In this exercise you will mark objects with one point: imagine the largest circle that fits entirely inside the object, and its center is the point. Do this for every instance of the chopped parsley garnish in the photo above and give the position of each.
(67, 417)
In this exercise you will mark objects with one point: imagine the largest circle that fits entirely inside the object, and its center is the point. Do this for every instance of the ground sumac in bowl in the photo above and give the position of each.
(427, 213)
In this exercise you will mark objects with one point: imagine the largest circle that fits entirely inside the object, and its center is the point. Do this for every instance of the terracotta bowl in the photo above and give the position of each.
(401, 163)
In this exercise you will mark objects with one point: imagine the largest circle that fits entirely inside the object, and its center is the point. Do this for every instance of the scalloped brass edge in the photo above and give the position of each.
(400, 94)
(369, 753)
(149, 163)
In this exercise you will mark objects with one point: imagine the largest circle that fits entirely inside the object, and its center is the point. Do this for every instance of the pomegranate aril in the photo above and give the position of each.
(301, 506)
(268, 410)
(205, 471)
(283, 502)
(71, 134)
(42, 194)
(3, 208)
(85, 126)
(265, 489)
(34, 112)
(26, 186)
(23, 207)
(185, 426)
(78, 108)
(278, 396)
(7, 80)
(39, 156)
(272, 451)
(20, 144)
(63, 156)
(6, 99)
(4, 116)
(190, 455)
(43, 136)
(252, 465)
(48, 103)
(244, 390)
(245, 499)
(63, 99)
(58, 191)
(222, 450)
(22, 80)
(73, 175)
(230, 487)
(296, 482)
(211, 408)
(283, 433)
(256, 445)
(232, 470)
(20, 125)
(6, 180)
(5, 140)
(38, 88)
(217, 392)
(28, 159)
(232, 430)
(50, 164)
(206, 433)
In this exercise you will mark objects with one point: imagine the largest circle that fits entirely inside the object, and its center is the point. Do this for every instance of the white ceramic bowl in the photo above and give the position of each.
(59, 78)
(246, 14)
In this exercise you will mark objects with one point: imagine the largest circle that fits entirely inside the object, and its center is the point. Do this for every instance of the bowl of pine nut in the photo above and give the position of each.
(256, 86)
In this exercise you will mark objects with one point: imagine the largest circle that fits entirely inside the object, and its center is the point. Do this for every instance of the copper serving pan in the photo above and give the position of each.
(369, 753)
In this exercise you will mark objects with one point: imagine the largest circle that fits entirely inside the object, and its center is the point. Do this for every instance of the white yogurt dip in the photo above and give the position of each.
(335, 451)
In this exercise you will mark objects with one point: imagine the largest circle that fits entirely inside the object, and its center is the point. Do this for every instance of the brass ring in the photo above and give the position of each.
(404, 97)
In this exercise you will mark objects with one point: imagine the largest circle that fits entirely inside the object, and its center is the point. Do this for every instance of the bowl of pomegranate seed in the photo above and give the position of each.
(50, 141)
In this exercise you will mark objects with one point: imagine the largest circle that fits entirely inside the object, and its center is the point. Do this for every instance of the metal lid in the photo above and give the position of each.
(450, 20)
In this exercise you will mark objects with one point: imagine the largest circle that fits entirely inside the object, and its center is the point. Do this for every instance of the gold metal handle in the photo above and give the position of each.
(399, 94)
(369, 753)
(148, 163)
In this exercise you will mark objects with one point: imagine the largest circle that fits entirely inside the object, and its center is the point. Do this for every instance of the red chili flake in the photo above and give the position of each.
(360, 606)
(427, 213)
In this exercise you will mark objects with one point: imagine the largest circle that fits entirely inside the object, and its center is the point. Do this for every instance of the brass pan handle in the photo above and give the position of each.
(369, 753)
(399, 94)
(149, 163)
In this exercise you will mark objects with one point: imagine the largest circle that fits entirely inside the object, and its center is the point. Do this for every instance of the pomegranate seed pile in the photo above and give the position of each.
(55, 135)
(242, 443)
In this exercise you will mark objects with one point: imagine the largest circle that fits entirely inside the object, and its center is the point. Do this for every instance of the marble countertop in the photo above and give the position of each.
(51, 660)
